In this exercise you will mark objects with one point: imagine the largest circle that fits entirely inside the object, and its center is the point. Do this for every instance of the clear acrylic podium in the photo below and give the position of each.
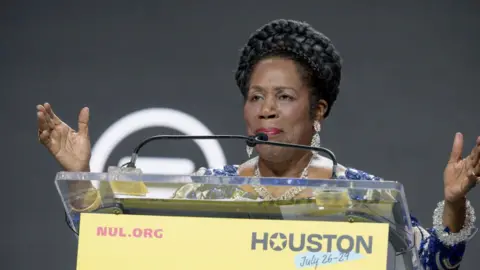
(120, 192)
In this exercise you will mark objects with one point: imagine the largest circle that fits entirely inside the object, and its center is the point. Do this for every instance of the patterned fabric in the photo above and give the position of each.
(433, 254)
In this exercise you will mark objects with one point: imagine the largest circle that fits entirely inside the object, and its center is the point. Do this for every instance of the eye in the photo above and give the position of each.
(255, 98)
(285, 97)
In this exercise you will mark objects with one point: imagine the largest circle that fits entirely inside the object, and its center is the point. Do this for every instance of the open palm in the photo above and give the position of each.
(461, 174)
(70, 148)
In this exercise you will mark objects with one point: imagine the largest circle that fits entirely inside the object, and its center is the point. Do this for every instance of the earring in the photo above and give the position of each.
(249, 151)
(316, 137)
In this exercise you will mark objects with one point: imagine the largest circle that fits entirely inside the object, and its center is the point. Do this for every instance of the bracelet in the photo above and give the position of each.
(449, 238)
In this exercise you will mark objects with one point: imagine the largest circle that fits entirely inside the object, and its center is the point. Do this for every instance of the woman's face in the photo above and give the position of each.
(278, 104)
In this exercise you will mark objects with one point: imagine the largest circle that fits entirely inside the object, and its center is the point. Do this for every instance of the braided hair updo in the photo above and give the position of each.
(318, 60)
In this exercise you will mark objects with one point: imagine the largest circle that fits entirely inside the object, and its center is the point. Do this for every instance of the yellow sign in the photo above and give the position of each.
(121, 242)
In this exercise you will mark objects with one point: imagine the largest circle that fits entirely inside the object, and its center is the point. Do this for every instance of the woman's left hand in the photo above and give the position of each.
(461, 174)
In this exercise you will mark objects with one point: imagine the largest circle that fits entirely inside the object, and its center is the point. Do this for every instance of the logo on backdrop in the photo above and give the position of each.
(156, 117)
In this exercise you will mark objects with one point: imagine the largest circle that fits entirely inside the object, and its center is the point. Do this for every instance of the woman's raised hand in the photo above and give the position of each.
(70, 148)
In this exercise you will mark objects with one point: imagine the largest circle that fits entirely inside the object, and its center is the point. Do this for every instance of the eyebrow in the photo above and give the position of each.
(277, 88)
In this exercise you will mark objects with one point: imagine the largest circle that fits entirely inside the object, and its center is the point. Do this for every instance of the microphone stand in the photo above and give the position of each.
(252, 141)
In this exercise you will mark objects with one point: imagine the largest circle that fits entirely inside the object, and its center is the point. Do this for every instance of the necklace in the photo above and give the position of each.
(289, 194)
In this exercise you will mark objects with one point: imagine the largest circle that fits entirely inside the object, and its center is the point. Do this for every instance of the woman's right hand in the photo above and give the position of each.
(69, 147)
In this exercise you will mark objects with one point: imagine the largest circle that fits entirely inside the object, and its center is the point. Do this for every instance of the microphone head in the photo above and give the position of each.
(261, 136)
(252, 140)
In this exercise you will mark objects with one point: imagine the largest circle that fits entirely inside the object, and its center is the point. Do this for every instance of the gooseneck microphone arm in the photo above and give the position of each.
(260, 138)
(133, 159)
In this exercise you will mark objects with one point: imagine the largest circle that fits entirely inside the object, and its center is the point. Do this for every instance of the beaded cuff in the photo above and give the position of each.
(448, 238)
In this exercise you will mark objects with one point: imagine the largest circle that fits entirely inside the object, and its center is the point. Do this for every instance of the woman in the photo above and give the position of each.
(289, 75)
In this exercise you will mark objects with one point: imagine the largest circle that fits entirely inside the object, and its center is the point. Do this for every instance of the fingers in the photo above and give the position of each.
(40, 108)
(457, 148)
(55, 120)
(44, 138)
(41, 119)
(473, 166)
(475, 155)
(474, 158)
(43, 126)
(83, 118)
(46, 116)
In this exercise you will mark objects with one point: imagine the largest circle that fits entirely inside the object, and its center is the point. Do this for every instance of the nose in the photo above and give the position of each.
(269, 109)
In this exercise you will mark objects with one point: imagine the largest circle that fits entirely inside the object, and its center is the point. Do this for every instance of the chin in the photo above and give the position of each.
(273, 153)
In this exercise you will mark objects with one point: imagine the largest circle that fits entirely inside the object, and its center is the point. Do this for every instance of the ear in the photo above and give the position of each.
(320, 110)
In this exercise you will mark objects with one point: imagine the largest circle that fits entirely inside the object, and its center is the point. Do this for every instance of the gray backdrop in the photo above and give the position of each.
(409, 83)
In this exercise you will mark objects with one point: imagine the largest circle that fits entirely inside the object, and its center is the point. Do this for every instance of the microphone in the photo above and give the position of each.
(252, 141)
(262, 138)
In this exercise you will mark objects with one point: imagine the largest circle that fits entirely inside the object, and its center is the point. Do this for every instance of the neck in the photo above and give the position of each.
(288, 168)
